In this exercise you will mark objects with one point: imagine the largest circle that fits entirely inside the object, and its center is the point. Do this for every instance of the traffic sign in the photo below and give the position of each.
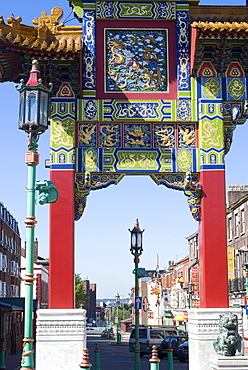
(138, 303)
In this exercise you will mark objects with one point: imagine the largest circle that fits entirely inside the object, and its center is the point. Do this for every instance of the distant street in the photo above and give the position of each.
(113, 356)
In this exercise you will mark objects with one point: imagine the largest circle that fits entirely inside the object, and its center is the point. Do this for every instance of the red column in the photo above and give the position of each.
(61, 263)
(212, 241)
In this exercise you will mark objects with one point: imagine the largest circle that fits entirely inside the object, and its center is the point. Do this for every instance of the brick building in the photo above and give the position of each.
(237, 241)
(10, 255)
(10, 258)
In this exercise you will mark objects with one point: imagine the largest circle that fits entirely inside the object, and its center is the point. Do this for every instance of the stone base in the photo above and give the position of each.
(60, 339)
(203, 331)
(228, 362)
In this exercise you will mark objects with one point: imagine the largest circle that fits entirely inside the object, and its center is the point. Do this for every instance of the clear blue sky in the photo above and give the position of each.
(102, 237)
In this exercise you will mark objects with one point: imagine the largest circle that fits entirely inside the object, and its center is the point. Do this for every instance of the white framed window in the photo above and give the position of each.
(13, 290)
(4, 289)
(12, 268)
(4, 263)
(16, 269)
(195, 246)
(242, 221)
(237, 222)
(229, 228)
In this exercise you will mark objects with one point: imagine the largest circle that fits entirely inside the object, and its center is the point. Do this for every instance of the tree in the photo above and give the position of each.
(124, 312)
(82, 298)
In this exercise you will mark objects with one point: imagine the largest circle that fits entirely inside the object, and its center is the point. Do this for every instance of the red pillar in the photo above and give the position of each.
(212, 241)
(61, 263)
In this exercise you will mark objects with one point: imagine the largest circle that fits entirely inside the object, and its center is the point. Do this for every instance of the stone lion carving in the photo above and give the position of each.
(229, 341)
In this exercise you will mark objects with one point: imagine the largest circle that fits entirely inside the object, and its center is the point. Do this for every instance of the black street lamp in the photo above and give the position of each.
(136, 250)
(34, 99)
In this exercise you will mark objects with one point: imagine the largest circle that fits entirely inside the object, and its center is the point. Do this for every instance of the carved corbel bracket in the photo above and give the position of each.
(194, 194)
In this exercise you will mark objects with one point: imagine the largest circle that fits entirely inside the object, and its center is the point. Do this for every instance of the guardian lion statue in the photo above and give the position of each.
(229, 341)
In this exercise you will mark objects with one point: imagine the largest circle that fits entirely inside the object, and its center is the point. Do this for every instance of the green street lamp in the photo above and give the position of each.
(33, 119)
(117, 301)
(136, 250)
(245, 264)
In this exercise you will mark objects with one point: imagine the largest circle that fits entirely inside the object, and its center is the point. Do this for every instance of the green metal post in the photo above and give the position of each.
(137, 343)
(2, 350)
(136, 250)
(97, 357)
(32, 159)
(154, 360)
(117, 322)
(170, 356)
(118, 335)
(2, 357)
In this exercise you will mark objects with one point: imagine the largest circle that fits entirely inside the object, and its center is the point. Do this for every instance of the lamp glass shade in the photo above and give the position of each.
(44, 109)
(21, 109)
(139, 240)
(33, 110)
(133, 240)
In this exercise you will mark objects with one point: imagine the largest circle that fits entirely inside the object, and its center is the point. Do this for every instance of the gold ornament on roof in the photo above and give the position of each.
(49, 35)
(50, 21)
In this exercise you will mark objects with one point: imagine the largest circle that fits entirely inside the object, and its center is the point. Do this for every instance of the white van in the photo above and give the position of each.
(151, 336)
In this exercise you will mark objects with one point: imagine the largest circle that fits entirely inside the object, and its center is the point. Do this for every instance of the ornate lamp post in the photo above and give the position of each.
(245, 264)
(33, 119)
(117, 301)
(136, 250)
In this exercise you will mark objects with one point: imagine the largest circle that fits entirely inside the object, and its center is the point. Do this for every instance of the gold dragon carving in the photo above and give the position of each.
(85, 133)
(152, 80)
(165, 136)
(109, 138)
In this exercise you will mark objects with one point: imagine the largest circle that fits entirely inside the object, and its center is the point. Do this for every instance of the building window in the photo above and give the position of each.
(195, 247)
(12, 268)
(242, 221)
(3, 290)
(237, 221)
(230, 230)
(4, 263)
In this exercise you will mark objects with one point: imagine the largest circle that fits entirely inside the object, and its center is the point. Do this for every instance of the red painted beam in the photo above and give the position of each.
(212, 241)
(61, 262)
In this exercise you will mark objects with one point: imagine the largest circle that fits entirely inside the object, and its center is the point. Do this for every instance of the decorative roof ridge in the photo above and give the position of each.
(220, 26)
(48, 35)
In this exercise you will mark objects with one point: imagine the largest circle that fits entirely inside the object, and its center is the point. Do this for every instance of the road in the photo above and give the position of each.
(114, 356)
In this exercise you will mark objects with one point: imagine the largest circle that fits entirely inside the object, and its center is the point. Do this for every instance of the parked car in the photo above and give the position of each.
(107, 333)
(175, 341)
(183, 352)
(151, 336)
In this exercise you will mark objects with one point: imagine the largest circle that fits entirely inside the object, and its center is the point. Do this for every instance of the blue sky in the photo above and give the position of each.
(102, 237)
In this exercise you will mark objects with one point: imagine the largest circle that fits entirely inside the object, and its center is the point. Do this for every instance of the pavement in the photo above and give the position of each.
(13, 362)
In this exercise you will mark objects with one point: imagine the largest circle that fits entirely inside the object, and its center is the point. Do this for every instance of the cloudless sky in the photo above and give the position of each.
(102, 238)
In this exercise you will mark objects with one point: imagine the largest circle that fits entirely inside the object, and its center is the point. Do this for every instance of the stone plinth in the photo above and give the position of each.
(203, 331)
(60, 339)
(228, 362)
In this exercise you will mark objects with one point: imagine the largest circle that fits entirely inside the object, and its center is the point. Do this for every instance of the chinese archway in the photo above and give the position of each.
(153, 88)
